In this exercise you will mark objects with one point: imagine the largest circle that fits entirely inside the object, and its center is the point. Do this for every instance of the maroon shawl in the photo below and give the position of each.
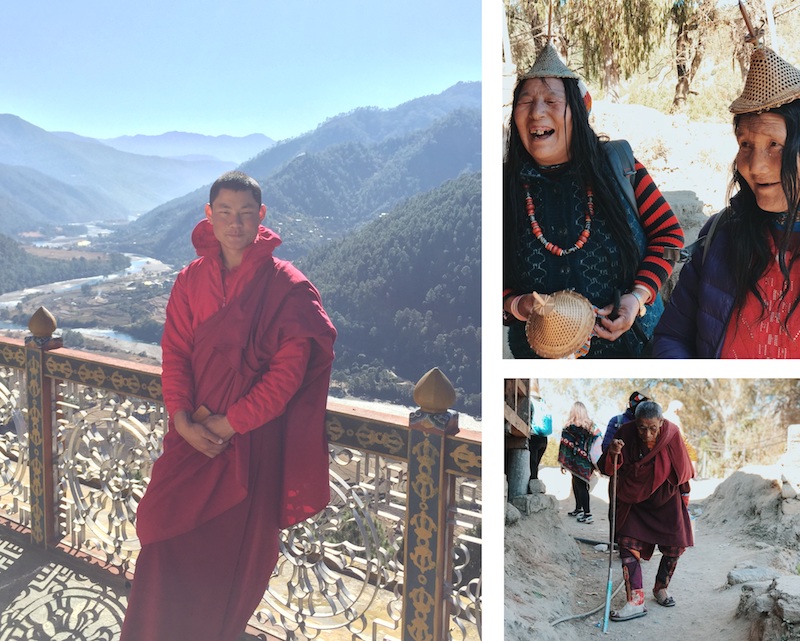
(650, 484)
(232, 349)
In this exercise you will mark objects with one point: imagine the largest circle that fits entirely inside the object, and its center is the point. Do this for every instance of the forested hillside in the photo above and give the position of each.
(328, 183)
(20, 269)
(404, 293)
(370, 125)
(30, 201)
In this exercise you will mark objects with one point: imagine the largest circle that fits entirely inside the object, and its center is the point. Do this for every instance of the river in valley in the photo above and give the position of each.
(143, 266)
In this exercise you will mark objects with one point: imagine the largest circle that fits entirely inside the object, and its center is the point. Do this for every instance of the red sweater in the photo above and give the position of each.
(755, 332)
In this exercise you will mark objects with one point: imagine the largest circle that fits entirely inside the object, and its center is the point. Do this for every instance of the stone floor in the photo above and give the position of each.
(51, 594)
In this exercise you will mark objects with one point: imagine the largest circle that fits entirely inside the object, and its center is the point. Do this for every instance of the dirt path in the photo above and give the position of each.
(706, 606)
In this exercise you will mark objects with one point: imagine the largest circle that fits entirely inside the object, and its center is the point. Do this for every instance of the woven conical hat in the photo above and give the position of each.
(560, 324)
(548, 65)
(771, 82)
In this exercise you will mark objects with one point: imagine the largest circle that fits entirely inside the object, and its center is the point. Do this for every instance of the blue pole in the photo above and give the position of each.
(608, 603)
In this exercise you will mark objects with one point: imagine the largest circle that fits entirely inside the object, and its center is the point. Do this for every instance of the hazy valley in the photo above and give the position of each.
(380, 208)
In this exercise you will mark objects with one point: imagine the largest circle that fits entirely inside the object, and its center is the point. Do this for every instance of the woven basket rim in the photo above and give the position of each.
(560, 346)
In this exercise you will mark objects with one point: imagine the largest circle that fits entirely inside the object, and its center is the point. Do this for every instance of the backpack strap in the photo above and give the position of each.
(620, 155)
(684, 255)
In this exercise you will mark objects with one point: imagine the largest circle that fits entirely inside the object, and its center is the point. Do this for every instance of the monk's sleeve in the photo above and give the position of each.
(267, 399)
(176, 349)
(298, 329)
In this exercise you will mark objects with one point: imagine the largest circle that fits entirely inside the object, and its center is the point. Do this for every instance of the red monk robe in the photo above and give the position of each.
(255, 345)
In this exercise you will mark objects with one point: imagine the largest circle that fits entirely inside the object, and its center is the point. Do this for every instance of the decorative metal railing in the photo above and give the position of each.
(395, 555)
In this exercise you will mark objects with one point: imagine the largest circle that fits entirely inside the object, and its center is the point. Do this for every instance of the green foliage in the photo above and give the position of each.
(144, 329)
(405, 289)
(356, 530)
(624, 41)
(21, 269)
(73, 339)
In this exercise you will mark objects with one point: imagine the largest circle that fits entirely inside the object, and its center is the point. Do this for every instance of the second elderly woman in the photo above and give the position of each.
(738, 295)
(567, 223)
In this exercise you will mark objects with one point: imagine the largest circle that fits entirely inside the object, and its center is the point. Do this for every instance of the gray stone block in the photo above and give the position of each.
(512, 514)
(531, 503)
(751, 574)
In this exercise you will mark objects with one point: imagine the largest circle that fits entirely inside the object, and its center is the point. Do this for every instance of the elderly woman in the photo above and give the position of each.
(653, 471)
(738, 295)
(568, 219)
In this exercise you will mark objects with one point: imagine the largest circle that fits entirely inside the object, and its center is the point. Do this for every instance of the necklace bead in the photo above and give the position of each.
(552, 247)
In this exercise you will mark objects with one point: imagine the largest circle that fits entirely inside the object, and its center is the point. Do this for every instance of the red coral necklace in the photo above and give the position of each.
(551, 247)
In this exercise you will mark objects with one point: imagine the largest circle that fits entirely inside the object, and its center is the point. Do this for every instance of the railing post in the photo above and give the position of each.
(427, 559)
(44, 504)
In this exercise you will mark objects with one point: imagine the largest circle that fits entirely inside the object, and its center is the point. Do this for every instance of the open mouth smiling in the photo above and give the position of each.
(540, 133)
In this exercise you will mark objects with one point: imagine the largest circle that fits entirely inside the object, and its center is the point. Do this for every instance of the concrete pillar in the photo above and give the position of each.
(519, 471)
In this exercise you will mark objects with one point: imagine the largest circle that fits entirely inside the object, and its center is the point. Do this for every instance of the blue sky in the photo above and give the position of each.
(102, 68)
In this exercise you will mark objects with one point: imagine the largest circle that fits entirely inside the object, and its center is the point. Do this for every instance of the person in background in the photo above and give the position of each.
(627, 416)
(577, 454)
(541, 427)
(614, 424)
(653, 472)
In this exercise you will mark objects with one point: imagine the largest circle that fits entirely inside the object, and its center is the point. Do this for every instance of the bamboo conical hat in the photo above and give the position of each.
(771, 82)
(548, 64)
(560, 324)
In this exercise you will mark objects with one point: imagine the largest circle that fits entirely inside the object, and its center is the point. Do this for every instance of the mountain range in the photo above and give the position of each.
(189, 146)
(324, 184)
(116, 184)
(404, 292)
(380, 207)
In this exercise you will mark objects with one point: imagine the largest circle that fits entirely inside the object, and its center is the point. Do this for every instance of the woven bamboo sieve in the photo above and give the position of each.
(560, 324)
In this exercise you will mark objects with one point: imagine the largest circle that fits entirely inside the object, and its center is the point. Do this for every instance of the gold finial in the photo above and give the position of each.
(434, 393)
(42, 324)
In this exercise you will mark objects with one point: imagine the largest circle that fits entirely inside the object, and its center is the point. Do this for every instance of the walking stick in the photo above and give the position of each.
(611, 544)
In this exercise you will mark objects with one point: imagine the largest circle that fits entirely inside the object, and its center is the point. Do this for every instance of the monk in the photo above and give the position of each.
(654, 470)
(247, 354)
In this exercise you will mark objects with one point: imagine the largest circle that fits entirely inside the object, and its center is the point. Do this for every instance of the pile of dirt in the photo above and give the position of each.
(760, 502)
(537, 539)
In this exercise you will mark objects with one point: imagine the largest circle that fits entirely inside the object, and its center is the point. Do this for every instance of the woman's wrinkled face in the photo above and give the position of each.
(761, 139)
(544, 120)
(649, 429)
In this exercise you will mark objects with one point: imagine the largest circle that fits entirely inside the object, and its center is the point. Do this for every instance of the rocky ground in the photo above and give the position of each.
(739, 582)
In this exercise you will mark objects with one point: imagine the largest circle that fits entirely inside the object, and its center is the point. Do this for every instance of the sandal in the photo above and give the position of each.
(666, 601)
(628, 612)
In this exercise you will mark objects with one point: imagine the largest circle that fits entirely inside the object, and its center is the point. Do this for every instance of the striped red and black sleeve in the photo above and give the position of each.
(662, 229)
